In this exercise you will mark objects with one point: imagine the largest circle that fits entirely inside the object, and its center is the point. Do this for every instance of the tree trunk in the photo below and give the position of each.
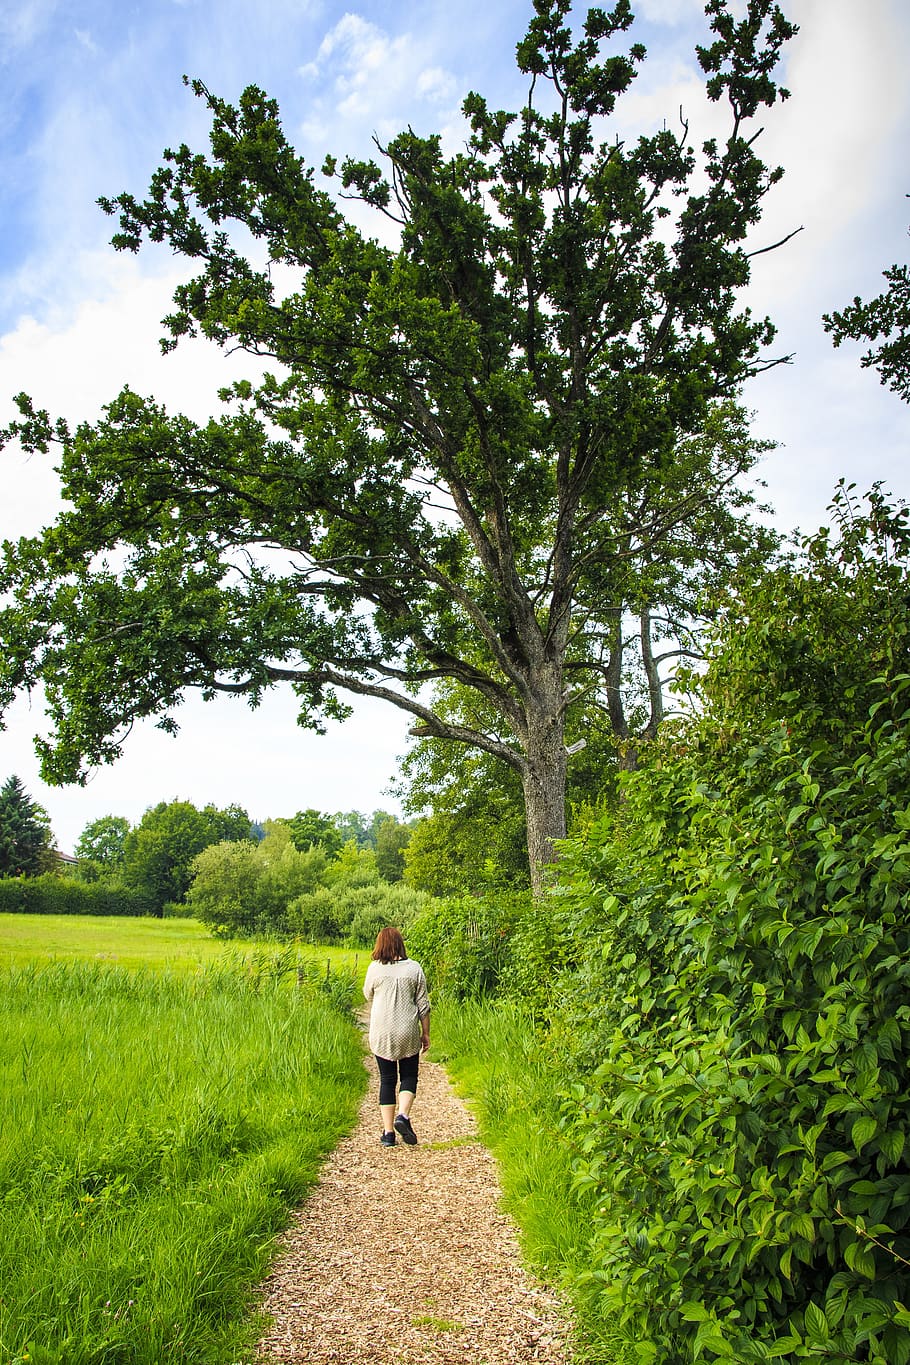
(544, 783)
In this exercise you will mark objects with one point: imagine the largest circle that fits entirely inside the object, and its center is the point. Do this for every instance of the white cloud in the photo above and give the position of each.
(102, 334)
(670, 11)
(435, 84)
(669, 87)
(363, 74)
(835, 136)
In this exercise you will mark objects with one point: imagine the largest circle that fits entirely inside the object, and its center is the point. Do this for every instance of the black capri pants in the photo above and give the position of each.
(404, 1071)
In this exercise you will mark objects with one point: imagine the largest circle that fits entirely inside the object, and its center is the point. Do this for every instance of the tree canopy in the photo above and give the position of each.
(102, 841)
(310, 829)
(474, 452)
(158, 854)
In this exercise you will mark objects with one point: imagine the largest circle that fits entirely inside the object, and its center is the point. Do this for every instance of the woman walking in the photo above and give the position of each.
(396, 988)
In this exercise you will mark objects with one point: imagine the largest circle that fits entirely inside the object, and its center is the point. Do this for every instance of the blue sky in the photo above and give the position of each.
(90, 94)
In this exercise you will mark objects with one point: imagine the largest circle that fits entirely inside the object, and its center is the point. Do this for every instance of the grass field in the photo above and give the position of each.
(155, 1128)
(176, 944)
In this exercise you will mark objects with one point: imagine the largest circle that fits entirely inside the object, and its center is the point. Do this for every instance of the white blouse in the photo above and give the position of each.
(397, 992)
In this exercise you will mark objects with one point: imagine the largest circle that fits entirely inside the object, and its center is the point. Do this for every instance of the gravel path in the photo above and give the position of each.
(402, 1256)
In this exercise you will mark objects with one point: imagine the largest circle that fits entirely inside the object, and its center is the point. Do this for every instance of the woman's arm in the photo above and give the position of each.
(422, 1001)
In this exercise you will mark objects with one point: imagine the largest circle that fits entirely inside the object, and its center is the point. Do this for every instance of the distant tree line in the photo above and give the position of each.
(327, 877)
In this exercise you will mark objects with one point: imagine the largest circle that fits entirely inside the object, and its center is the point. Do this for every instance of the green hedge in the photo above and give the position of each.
(52, 895)
(738, 1035)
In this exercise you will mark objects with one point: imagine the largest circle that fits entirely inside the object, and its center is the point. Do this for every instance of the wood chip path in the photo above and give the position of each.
(402, 1256)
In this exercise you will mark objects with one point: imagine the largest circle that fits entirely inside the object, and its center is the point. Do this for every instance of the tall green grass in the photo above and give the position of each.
(154, 1129)
(513, 1081)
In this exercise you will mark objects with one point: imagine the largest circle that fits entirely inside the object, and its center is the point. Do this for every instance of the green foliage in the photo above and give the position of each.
(25, 833)
(245, 887)
(344, 826)
(103, 842)
(352, 867)
(225, 889)
(466, 852)
(550, 352)
(505, 944)
(314, 917)
(155, 1131)
(368, 909)
(885, 319)
(474, 838)
(285, 871)
(273, 889)
(353, 824)
(158, 853)
(465, 945)
(309, 828)
(50, 894)
(741, 1016)
(354, 914)
(392, 839)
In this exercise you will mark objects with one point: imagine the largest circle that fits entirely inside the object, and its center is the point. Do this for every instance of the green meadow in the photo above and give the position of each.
(122, 941)
(155, 1128)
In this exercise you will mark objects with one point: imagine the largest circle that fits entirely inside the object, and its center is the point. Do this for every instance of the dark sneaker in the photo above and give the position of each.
(403, 1126)
(388, 1139)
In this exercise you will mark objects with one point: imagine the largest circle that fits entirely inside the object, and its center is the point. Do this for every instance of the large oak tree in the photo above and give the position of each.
(454, 468)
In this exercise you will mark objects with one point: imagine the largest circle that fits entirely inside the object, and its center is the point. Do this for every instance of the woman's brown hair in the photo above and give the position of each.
(389, 946)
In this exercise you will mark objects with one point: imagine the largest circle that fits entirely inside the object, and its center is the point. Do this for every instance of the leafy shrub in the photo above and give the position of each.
(366, 910)
(464, 944)
(240, 887)
(286, 871)
(353, 915)
(539, 952)
(352, 867)
(272, 888)
(743, 1012)
(157, 855)
(314, 917)
(226, 889)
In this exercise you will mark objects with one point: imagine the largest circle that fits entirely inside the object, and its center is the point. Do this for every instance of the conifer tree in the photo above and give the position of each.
(25, 833)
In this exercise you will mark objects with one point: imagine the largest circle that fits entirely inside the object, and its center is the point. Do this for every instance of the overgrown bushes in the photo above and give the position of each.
(742, 1015)
(493, 1053)
(505, 944)
(464, 945)
(353, 915)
